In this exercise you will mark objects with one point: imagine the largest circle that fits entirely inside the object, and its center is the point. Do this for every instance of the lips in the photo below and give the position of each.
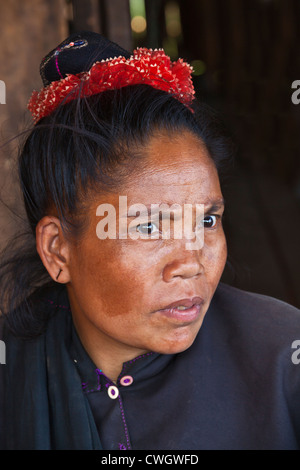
(183, 310)
(185, 303)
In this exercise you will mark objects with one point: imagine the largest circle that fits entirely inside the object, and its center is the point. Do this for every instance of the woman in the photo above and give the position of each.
(119, 333)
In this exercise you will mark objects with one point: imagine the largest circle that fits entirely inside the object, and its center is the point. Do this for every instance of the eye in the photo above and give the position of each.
(210, 221)
(147, 228)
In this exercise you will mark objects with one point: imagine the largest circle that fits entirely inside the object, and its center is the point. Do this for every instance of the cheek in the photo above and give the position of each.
(215, 257)
(113, 276)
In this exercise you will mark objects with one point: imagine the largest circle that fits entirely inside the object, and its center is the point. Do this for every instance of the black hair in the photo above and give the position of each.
(90, 144)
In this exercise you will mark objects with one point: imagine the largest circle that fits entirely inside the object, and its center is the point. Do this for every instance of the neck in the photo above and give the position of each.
(106, 353)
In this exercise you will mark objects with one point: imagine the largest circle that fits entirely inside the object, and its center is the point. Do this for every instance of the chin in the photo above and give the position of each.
(176, 346)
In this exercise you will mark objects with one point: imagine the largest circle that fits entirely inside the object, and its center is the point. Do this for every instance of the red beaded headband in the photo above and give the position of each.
(145, 66)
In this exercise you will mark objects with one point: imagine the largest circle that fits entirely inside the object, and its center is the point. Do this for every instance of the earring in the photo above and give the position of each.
(58, 274)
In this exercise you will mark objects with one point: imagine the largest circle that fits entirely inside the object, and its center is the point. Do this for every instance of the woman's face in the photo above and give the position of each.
(151, 294)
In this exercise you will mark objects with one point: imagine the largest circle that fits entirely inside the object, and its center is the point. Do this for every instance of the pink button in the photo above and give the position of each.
(126, 380)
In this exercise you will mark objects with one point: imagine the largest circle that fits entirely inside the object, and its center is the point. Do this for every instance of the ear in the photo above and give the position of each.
(53, 248)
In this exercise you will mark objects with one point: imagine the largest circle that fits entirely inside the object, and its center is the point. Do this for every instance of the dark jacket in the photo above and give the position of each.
(236, 387)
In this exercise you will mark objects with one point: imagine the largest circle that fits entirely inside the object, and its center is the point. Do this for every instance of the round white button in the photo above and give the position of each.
(113, 392)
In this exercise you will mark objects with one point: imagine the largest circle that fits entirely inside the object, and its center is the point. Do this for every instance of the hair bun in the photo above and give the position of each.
(77, 54)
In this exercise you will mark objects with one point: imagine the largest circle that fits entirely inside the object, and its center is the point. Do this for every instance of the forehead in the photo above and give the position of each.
(176, 166)
(165, 148)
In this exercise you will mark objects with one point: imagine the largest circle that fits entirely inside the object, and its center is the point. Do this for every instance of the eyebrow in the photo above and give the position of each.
(212, 206)
(215, 205)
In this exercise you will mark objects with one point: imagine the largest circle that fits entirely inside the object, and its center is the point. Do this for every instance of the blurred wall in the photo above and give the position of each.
(29, 29)
(250, 52)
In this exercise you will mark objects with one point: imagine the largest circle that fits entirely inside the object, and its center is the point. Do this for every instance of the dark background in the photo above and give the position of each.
(245, 54)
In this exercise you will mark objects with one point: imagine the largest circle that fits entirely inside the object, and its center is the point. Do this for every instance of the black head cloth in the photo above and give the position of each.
(77, 54)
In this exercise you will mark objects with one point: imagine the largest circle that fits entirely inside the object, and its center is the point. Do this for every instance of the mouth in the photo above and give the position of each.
(184, 310)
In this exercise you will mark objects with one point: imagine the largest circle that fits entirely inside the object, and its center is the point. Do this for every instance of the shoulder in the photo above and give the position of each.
(31, 317)
(266, 327)
(254, 321)
(263, 307)
(2, 372)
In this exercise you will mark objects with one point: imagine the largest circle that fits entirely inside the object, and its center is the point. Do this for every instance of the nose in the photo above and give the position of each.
(185, 265)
